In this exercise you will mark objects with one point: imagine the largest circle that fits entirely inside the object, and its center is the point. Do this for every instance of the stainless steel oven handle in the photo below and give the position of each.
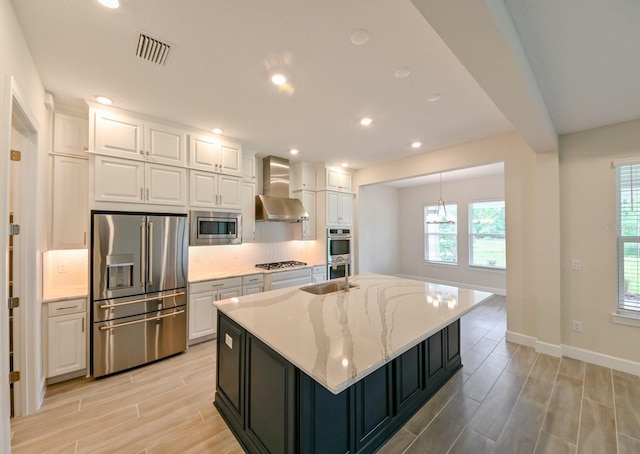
(109, 306)
(144, 320)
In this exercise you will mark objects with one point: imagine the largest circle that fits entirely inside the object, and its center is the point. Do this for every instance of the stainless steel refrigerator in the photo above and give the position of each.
(138, 289)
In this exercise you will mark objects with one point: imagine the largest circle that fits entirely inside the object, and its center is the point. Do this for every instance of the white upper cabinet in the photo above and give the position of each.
(126, 136)
(339, 209)
(124, 180)
(213, 155)
(165, 145)
(248, 203)
(117, 135)
(304, 177)
(214, 190)
(308, 199)
(70, 135)
(249, 173)
(70, 212)
(333, 179)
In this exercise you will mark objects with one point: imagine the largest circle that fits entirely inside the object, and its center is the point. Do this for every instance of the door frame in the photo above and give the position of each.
(29, 393)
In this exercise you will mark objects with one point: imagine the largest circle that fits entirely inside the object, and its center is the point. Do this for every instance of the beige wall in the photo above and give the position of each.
(524, 171)
(588, 216)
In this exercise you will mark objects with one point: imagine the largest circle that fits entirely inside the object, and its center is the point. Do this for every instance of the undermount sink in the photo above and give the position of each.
(326, 287)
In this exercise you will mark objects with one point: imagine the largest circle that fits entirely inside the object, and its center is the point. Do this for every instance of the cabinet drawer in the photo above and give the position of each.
(215, 284)
(253, 279)
(67, 307)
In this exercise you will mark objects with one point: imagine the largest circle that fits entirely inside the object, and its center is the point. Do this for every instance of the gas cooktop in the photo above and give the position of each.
(280, 265)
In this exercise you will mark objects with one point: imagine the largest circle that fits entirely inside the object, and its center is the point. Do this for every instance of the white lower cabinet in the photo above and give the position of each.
(202, 312)
(253, 283)
(66, 337)
(319, 273)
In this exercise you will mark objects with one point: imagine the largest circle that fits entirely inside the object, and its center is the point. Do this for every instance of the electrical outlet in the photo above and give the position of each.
(576, 264)
(577, 326)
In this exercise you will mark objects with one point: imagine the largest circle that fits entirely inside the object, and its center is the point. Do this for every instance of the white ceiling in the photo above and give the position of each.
(223, 51)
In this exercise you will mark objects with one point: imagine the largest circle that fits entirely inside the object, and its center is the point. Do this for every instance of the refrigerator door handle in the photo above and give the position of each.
(141, 244)
(150, 252)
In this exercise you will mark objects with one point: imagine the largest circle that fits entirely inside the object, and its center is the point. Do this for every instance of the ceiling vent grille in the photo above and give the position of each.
(152, 49)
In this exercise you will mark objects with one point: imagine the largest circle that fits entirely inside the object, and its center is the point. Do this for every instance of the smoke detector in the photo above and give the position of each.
(152, 49)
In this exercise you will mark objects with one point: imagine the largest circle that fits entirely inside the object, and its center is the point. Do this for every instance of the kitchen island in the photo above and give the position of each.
(335, 373)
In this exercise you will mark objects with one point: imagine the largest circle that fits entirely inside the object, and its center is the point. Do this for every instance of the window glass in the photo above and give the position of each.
(487, 242)
(440, 239)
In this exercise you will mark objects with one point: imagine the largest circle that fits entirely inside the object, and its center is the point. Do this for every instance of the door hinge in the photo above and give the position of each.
(14, 229)
(13, 302)
(14, 376)
(15, 155)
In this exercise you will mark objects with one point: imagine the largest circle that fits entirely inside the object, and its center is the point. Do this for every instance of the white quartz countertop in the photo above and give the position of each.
(339, 338)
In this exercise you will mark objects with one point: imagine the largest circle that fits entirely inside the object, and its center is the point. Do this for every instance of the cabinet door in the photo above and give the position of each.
(164, 144)
(204, 189)
(202, 315)
(308, 200)
(118, 135)
(70, 135)
(345, 209)
(118, 180)
(229, 192)
(165, 185)
(333, 179)
(230, 368)
(66, 344)
(70, 213)
(249, 166)
(203, 153)
(252, 289)
(344, 182)
(373, 397)
(248, 205)
(229, 293)
(230, 158)
(332, 208)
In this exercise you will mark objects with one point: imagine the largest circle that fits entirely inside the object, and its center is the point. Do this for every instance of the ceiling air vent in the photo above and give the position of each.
(152, 49)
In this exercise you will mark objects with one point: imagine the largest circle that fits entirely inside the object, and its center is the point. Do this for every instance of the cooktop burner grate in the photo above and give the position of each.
(280, 265)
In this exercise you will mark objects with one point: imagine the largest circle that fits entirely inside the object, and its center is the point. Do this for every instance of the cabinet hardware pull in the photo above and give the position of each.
(66, 308)
(147, 193)
(217, 285)
(83, 324)
(103, 328)
(141, 194)
(109, 306)
(84, 241)
(142, 152)
(147, 152)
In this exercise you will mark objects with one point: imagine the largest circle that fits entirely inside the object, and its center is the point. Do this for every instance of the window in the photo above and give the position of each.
(628, 221)
(487, 234)
(440, 240)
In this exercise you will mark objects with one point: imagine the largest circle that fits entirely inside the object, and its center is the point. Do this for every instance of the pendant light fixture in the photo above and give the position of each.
(440, 216)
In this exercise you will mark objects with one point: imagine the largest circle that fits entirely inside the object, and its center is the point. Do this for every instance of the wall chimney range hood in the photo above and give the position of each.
(275, 205)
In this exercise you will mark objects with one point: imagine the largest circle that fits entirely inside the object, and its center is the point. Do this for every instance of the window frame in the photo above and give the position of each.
(623, 309)
(427, 234)
(470, 205)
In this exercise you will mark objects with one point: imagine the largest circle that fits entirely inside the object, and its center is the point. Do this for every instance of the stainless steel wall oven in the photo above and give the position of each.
(338, 244)
(138, 288)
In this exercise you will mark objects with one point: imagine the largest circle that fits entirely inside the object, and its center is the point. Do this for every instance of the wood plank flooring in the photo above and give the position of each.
(506, 399)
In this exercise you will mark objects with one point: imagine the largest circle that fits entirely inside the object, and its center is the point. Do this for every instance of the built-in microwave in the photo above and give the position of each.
(214, 227)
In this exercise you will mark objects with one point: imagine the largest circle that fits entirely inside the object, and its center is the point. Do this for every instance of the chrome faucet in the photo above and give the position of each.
(346, 270)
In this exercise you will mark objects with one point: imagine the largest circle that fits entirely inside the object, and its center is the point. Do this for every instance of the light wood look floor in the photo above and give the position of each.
(506, 399)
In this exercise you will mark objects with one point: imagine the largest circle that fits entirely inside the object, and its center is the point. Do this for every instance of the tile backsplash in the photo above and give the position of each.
(64, 273)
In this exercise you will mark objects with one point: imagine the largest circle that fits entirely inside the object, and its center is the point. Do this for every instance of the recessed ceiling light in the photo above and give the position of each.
(104, 100)
(279, 79)
(359, 37)
(294, 151)
(217, 131)
(416, 144)
(401, 73)
(434, 97)
(345, 164)
(113, 4)
(366, 121)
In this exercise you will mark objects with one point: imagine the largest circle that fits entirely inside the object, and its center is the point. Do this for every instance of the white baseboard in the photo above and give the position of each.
(495, 291)
(599, 359)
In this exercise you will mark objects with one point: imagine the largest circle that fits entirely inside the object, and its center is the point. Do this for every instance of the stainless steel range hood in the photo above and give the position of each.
(275, 204)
